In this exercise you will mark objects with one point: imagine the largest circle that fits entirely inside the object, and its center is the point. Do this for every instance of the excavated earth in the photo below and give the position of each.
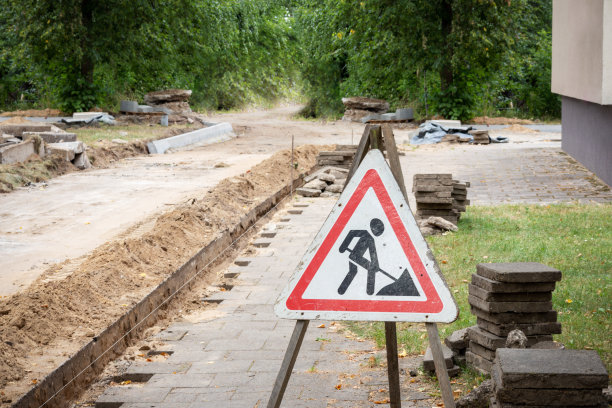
(41, 326)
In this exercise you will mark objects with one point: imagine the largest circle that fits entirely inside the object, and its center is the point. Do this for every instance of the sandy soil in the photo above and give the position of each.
(73, 301)
(35, 112)
(485, 120)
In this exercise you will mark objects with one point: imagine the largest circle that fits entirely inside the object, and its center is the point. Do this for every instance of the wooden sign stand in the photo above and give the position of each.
(382, 138)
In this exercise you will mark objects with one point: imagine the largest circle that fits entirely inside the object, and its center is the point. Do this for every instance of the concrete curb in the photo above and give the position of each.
(217, 133)
(111, 337)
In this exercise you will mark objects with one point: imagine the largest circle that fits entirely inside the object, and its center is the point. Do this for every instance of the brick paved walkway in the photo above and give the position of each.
(231, 358)
(509, 173)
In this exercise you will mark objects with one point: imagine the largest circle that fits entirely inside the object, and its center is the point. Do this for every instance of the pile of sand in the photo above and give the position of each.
(57, 317)
(519, 129)
(486, 120)
(18, 120)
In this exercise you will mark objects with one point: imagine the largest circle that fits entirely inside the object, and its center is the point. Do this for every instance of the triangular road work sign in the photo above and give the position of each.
(369, 261)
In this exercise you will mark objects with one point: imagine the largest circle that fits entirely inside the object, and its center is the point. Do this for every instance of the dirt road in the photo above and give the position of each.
(78, 212)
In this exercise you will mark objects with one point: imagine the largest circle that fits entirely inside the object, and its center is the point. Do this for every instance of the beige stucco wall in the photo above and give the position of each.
(582, 50)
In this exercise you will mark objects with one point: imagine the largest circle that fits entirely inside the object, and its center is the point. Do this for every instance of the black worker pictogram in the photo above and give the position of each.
(402, 286)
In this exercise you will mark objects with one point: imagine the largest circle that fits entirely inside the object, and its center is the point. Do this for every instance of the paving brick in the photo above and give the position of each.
(493, 342)
(509, 317)
(509, 297)
(518, 272)
(428, 362)
(479, 363)
(573, 369)
(516, 307)
(530, 329)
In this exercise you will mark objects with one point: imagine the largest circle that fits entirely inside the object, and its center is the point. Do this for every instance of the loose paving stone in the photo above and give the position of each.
(479, 363)
(570, 369)
(428, 362)
(516, 307)
(550, 397)
(503, 287)
(509, 297)
(518, 272)
(530, 329)
(493, 342)
(458, 340)
(509, 317)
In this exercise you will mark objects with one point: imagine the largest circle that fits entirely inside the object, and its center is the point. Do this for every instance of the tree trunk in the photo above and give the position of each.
(446, 70)
(87, 64)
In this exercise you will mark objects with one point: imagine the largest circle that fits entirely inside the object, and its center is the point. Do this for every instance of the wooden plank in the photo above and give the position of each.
(376, 138)
(362, 149)
(441, 373)
(393, 157)
(393, 365)
(288, 362)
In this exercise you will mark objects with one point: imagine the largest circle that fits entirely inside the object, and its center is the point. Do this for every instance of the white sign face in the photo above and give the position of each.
(369, 261)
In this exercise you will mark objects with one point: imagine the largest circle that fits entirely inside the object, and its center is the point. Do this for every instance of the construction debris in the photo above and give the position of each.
(438, 195)
(452, 132)
(326, 182)
(166, 106)
(429, 366)
(369, 110)
(342, 157)
(548, 378)
(506, 297)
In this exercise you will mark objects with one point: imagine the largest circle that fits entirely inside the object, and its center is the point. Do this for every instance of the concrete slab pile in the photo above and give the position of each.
(548, 378)
(438, 195)
(326, 182)
(480, 136)
(341, 157)
(506, 297)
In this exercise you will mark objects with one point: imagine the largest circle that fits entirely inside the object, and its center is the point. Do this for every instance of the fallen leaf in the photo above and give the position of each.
(444, 262)
(339, 386)
(321, 326)
(403, 353)
(149, 360)
(384, 401)
(126, 382)
(34, 381)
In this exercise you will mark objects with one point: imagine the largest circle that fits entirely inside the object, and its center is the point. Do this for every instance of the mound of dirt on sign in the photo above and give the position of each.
(35, 112)
(486, 120)
(54, 317)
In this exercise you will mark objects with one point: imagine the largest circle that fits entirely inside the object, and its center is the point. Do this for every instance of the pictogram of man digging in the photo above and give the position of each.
(402, 286)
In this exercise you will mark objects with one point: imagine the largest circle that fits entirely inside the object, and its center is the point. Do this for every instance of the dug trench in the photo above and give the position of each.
(59, 333)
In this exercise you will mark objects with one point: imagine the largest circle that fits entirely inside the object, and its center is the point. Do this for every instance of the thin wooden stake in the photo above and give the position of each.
(288, 362)
(441, 373)
(292, 166)
(393, 365)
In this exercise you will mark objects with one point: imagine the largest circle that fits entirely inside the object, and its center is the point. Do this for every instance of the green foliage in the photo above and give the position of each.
(82, 53)
(451, 55)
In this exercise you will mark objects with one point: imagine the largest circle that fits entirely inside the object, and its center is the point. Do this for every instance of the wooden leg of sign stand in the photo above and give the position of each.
(441, 371)
(393, 365)
(288, 362)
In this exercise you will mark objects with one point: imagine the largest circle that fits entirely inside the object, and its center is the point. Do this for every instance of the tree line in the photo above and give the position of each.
(455, 58)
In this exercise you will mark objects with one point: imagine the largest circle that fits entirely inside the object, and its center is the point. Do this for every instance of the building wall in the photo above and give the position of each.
(587, 135)
(582, 50)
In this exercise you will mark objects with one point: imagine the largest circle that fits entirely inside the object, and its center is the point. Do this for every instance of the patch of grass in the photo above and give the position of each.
(574, 238)
(92, 135)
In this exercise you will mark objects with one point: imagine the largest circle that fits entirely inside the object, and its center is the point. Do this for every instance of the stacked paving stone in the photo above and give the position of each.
(341, 157)
(438, 195)
(548, 378)
(326, 182)
(480, 136)
(509, 296)
(429, 365)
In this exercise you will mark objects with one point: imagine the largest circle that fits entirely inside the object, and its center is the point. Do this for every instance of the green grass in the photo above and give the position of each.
(576, 239)
(92, 135)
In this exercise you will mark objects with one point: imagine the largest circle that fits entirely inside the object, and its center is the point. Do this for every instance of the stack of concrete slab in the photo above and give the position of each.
(326, 182)
(358, 107)
(548, 378)
(480, 136)
(341, 157)
(438, 195)
(506, 297)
